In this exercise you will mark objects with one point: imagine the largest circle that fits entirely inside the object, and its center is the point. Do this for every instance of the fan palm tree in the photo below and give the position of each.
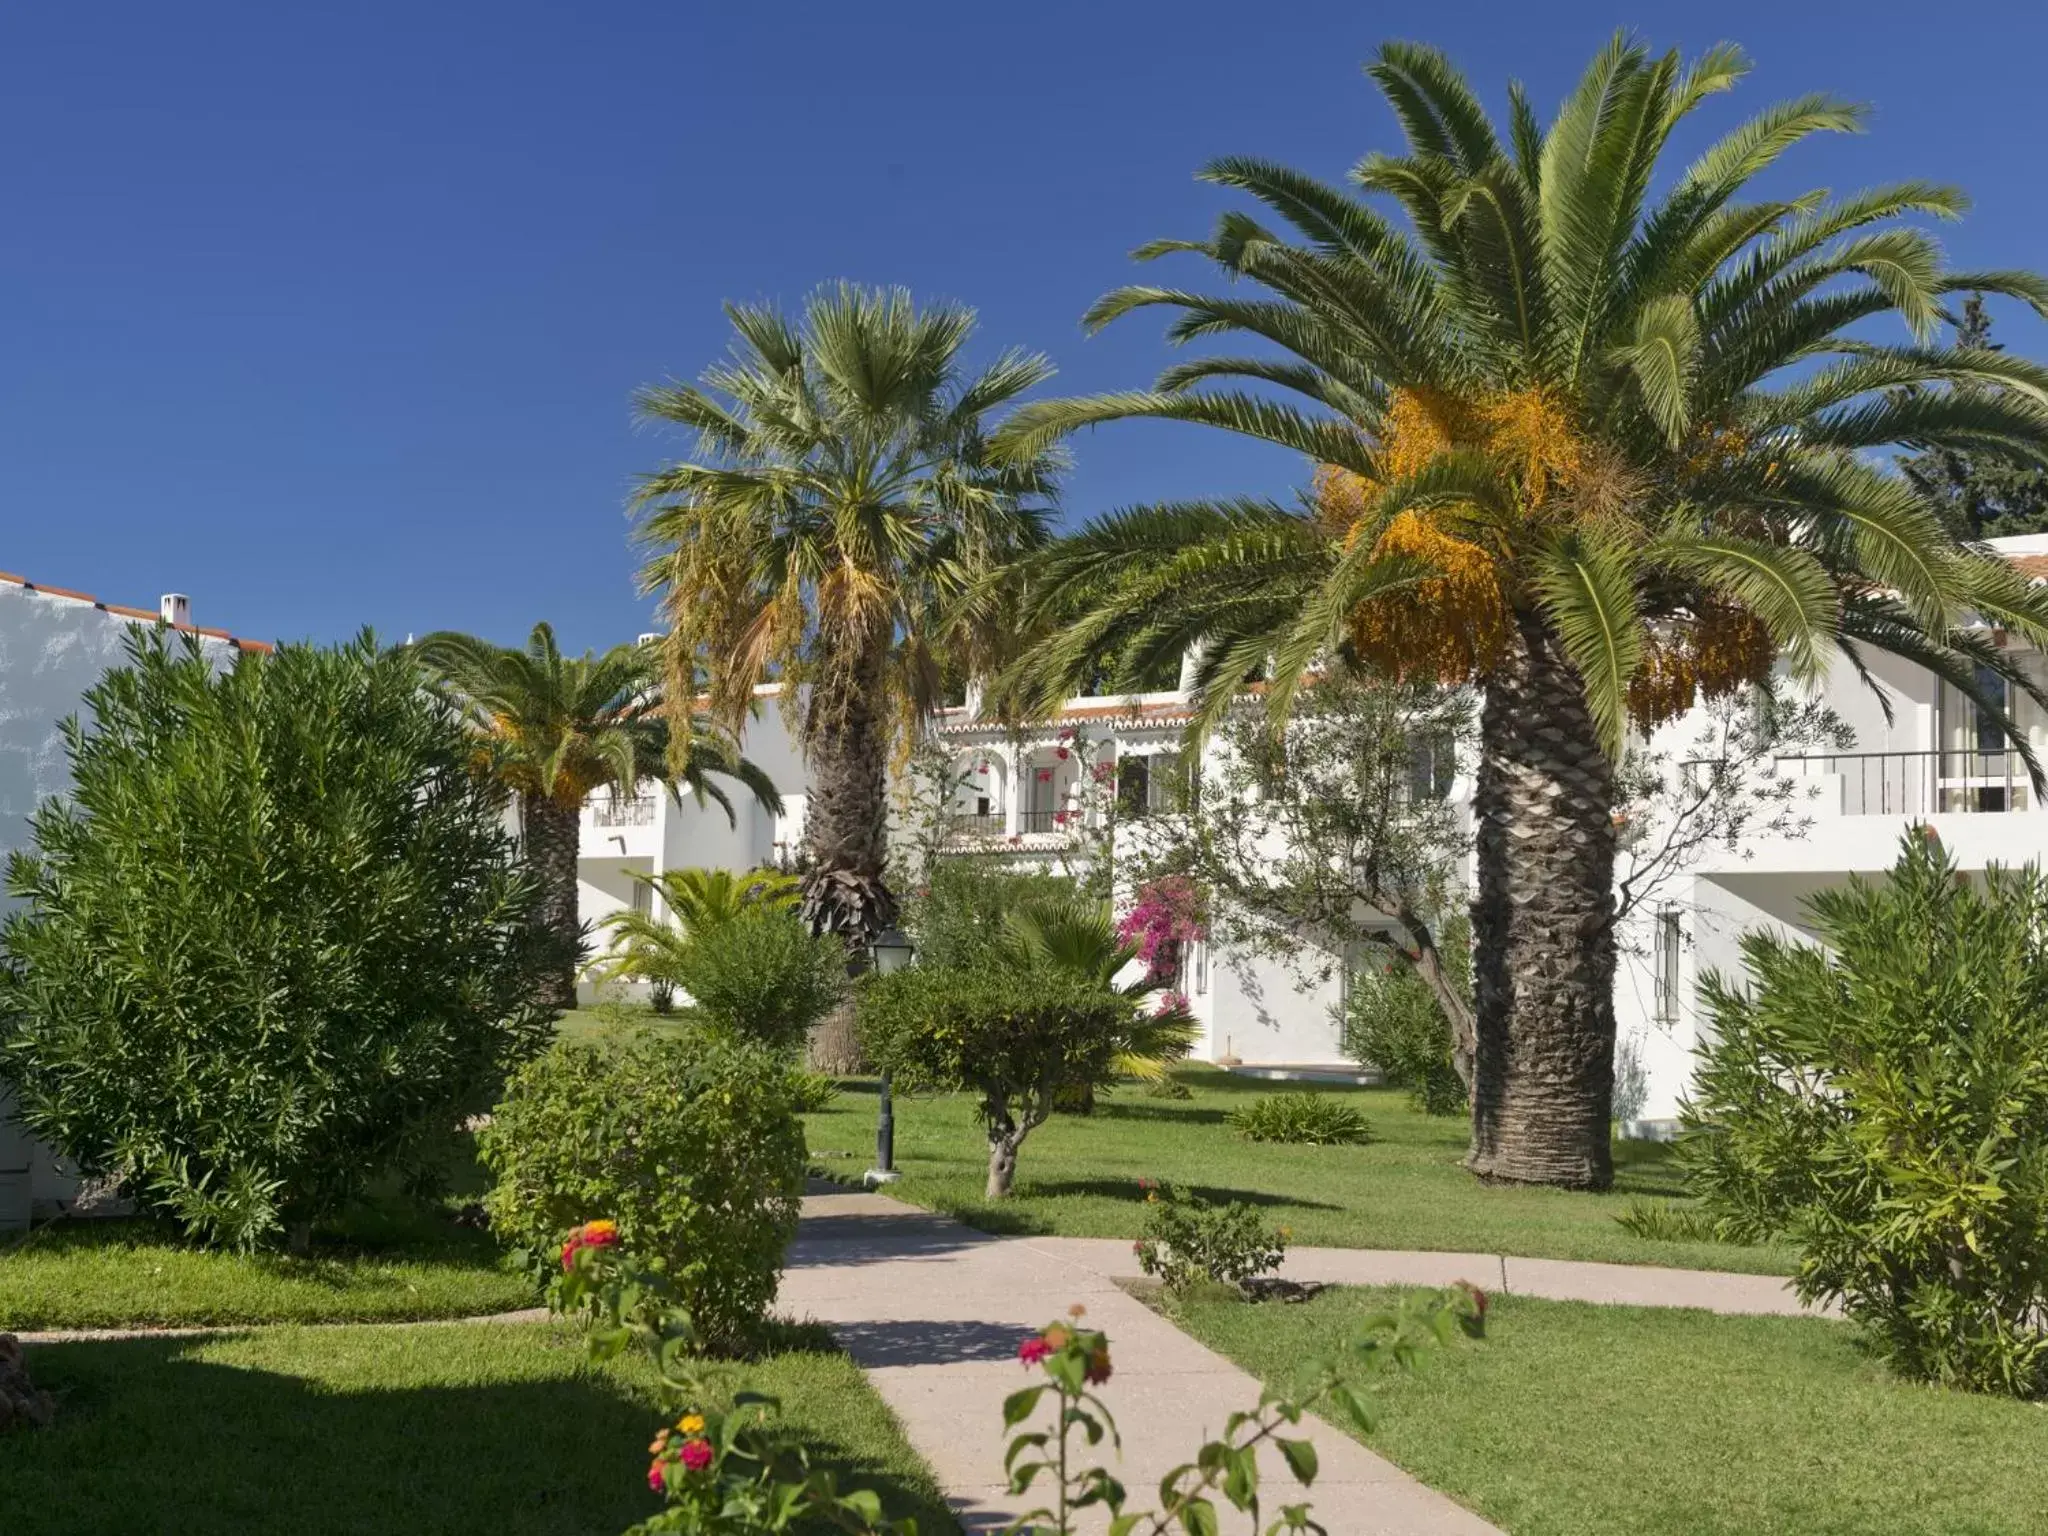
(836, 533)
(1078, 935)
(1598, 451)
(650, 945)
(552, 729)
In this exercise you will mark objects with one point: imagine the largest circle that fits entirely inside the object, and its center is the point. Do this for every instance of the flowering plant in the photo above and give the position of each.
(592, 1234)
(1075, 1359)
(1186, 1239)
(1171, 912)
(727, 1464)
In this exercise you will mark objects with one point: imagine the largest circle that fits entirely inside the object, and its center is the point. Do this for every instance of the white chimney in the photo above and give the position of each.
(1191, 664)
(174, 608)
(650, 637)
(976, 693)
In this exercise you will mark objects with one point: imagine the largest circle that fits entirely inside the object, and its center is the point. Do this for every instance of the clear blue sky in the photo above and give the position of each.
(332, 319)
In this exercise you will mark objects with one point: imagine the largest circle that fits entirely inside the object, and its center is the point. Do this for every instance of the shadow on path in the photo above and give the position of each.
(922, 1342)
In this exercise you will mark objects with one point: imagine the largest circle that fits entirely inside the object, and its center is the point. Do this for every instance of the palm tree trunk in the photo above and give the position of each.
(846, 747)
(1544, 921)
(551, 833)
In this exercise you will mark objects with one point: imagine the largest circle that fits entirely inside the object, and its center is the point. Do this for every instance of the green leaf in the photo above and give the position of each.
(1301, 1459)
(1019, 1406)
(1198, 1518)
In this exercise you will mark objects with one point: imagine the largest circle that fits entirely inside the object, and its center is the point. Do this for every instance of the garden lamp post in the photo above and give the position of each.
(889, 952)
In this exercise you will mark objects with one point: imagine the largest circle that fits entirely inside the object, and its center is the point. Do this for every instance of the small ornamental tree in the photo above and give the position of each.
(276, 942)
(1018, 1038)
(1884, 1102)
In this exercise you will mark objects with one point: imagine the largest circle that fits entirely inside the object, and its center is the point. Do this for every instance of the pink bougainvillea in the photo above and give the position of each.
(1103, 773)
(1171, 913)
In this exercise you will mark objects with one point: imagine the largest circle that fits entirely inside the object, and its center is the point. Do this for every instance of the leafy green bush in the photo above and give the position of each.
(1016, 1037)
(276, 943)
(1392, 1022)
(810, 1092)
(1884, 1101)
(1186, 1239)
(762, 976)
(1311, 1119)
(691, 1146)
(959, 919)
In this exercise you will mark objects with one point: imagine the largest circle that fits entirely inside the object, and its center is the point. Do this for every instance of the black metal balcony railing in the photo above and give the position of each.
(972, 824)
(1920, 783)
(632, 811)
(1047, 821)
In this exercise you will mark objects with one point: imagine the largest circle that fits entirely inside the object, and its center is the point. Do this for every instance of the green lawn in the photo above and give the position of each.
(454, 1429)
(1575, 1420)
(1078, 1176)
(390, 1259)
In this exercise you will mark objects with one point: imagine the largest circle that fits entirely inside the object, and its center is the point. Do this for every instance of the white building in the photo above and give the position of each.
(55, 644)
(1032, 798)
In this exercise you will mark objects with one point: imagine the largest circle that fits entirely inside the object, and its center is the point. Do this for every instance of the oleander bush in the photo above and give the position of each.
(276, 942)
(1309, 1119)
(691, 1146)
(1883, 1101)
(1394, 1023)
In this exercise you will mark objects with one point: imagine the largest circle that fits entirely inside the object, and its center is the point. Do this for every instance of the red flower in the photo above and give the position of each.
(654, 1475)
(696, 1454)
(1034, 1349)
(1098, 1366)
(592, 1234)
(1062, 753)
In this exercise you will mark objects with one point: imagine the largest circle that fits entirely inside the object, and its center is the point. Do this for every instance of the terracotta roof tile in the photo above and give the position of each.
(123, 611)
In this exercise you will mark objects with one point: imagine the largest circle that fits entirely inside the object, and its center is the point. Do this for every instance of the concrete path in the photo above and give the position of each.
(1636, 1285)
(934, 1311)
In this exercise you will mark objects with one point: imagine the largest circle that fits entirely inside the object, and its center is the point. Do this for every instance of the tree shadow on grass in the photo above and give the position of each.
(151, 1438)
(1166, 1113)
(1129, 1191)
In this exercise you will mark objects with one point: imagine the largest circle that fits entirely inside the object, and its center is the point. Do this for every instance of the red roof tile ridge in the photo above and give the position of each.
(122, 610)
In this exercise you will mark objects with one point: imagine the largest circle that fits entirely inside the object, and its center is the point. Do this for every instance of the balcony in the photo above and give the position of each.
(974, 826)
(631, 811)
(1920, 783)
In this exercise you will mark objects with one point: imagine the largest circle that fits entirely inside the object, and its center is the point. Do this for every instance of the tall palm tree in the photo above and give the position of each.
(554, 728)
(835, 533)
(1598, 451)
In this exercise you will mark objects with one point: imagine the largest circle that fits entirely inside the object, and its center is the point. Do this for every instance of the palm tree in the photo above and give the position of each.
(650, 945)
(554, 728)
(1077, 935)
(1598, 452)
(836, 533)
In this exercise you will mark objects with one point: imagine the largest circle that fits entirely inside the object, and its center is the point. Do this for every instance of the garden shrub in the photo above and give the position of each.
(1311, 1119)
(691, 1146)
(1186, 1239)
(1392, 1022)
(961, 917)
(275, 944)
(762, 976)
(1884, 1103)
(810, 1092)
(1018, 1038)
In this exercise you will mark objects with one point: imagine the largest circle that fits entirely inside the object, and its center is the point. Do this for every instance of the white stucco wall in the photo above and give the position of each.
(52, 648)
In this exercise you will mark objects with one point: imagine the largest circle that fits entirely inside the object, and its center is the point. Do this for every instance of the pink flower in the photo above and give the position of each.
(654, 1475)
(696, 1454)
(1034, 1349)
(1062, 753)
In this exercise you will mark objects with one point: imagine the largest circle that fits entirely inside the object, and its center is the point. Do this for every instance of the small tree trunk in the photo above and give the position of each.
(1004, 1137)
(834, 1046)
(1429, 965)
(551, 833)
(1543, 920)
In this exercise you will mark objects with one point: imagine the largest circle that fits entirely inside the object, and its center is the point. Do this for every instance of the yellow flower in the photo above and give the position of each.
(596, 1228)
(691, 1423)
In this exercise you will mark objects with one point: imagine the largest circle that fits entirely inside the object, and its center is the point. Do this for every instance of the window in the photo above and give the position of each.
(1664, 961)
(1133, 786)
(1167, 787)
(643, 897)
(1432, 765)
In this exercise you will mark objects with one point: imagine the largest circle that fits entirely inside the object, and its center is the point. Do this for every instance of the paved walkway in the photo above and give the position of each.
(934, 1311)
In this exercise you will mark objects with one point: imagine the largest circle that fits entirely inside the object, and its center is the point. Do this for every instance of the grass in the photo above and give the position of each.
(1078, 1176)
(390, 1259)
(1575, 1420)
(352, 1431)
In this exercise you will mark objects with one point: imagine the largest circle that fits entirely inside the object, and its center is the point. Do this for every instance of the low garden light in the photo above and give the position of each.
(888, 952)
